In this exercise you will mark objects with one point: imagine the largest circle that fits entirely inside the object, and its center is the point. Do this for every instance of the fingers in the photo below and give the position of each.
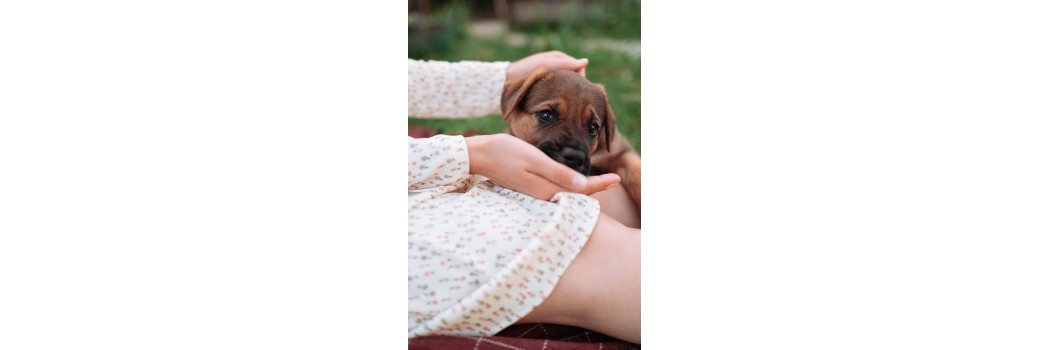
(575, 65)
(572, 181)
(600, 183)
(581, 64)
(560, 60)
(581, 67)
(560, 175)
(545, 189)
(551, 59)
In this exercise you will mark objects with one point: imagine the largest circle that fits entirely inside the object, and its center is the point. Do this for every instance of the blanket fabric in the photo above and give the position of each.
(538, 336)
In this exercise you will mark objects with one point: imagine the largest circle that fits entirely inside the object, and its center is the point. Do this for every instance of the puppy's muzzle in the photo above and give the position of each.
(572, 157)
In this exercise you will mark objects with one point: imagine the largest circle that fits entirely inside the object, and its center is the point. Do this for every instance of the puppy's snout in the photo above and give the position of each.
(573, 157)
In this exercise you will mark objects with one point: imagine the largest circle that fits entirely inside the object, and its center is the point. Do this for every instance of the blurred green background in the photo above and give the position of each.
(606, 32)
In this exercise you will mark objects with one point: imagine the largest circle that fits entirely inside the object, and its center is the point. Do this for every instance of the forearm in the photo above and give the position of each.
(437, 161)
(454, 90)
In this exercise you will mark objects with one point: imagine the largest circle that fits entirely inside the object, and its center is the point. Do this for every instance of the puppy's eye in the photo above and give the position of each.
(546, 116)
(594, 129)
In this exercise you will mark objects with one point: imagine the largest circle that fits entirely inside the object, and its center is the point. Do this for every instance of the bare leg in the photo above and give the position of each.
(616, 203)
(601, 289)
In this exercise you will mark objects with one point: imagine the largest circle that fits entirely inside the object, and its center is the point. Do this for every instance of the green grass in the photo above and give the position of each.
(617, 19)
(619, 72)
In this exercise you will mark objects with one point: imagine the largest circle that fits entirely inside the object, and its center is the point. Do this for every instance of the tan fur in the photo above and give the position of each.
(576, 102)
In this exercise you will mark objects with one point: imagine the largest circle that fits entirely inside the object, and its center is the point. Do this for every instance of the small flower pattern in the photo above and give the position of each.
(437, 161)
(480, 256)
(482, 259)
(455, 90)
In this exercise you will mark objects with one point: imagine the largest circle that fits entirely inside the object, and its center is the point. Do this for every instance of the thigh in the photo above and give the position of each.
(601, 289)
(616, 203)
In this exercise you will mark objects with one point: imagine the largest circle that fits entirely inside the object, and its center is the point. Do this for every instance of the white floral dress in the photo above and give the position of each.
(480, 256)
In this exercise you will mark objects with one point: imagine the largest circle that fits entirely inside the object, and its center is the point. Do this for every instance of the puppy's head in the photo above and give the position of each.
(561, 113)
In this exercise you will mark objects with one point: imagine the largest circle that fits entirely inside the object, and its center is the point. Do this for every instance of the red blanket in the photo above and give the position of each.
(525, 337)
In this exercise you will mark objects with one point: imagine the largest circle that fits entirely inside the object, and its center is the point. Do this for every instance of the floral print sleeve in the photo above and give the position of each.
(454, 90)
(437, 161)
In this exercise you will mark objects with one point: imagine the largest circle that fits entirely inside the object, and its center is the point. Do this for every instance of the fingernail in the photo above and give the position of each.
(582, 60)
(578, 181)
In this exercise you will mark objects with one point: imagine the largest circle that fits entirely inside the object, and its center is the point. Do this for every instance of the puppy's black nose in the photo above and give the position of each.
(573, 157)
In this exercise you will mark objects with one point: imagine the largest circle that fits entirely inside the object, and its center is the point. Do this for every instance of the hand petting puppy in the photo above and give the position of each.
(553, 60)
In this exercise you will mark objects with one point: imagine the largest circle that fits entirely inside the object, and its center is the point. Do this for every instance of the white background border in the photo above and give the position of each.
(220, 174)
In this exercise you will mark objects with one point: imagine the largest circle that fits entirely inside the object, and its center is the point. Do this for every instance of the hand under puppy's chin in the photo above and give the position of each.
(569, 118)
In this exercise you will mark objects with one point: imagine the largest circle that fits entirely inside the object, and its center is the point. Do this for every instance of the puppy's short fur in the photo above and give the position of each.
(569, 119)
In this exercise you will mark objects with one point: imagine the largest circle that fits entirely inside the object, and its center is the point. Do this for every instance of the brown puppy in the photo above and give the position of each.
(569, 119)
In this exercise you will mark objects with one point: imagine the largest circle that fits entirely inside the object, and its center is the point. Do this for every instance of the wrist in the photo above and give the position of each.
(476, 150)
(511, 71)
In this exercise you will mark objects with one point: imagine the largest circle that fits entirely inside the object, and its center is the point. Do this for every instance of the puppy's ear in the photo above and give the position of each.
(609, 123)
(514, 91)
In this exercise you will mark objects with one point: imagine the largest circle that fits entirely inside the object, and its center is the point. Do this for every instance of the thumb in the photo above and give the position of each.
(563, 176)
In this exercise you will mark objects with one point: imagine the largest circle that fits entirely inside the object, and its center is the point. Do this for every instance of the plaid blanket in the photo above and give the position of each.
(538, 336)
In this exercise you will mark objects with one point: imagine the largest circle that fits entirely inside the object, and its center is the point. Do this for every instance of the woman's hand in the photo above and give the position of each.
(550, 59)
(519, 166)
